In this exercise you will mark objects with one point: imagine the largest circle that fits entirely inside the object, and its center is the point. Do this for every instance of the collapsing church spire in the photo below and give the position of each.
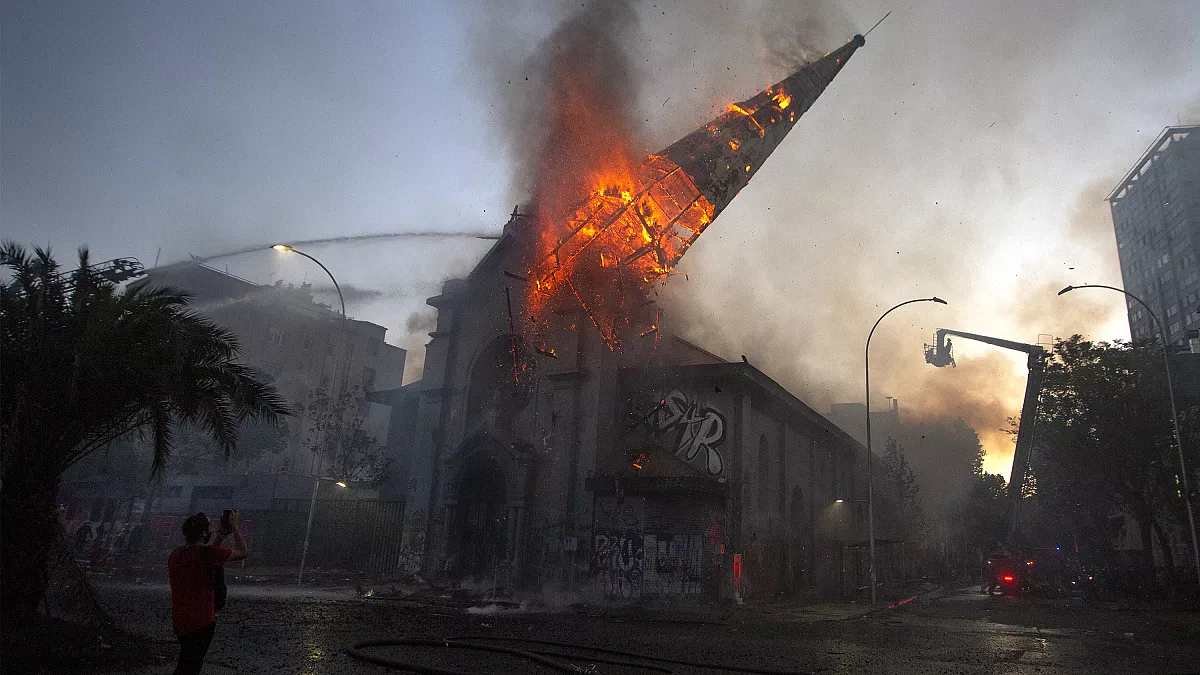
(624, 238)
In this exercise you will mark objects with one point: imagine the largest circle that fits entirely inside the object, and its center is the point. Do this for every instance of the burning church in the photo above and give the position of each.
(561, 437)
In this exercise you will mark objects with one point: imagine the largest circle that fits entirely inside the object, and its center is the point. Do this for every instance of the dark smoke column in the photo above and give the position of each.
(630, 234)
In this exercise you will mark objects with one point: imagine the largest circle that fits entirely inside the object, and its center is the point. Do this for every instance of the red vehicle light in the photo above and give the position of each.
(1008, 578)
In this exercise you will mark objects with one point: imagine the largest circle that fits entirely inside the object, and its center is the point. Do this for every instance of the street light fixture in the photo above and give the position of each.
(288, 249)
(870, 474)
(1187, 502)
(312, 507)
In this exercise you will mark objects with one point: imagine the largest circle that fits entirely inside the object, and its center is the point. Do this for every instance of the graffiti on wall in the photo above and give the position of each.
(698, 429)
(617, 562)
(674, 563)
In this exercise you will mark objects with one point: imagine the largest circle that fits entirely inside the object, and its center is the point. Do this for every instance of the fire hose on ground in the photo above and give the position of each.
(545, 657)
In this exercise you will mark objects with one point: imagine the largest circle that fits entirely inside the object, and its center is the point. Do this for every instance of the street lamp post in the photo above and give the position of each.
(288, 249)
(337, 357)
(312, 507)
(1187, 502)
(870, 473)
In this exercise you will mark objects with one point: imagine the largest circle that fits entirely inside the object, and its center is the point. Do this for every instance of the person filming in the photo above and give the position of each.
(197, 583)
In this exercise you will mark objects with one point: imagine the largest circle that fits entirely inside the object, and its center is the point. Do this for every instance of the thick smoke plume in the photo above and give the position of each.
(796, 270)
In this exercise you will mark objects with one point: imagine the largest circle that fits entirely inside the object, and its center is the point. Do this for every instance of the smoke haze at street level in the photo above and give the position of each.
(962, 153)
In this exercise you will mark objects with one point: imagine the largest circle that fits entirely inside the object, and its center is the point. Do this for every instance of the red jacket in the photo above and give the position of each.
(191, 586)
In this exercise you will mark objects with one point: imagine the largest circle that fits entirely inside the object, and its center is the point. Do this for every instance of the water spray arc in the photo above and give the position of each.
(349, 239)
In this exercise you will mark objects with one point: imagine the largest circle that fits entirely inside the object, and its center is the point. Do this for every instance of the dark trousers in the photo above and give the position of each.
(192, 648)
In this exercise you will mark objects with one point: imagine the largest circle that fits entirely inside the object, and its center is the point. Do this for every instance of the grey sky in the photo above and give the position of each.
(964, 152)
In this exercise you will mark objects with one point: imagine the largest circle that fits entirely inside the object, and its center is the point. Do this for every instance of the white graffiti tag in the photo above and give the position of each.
(698, 430)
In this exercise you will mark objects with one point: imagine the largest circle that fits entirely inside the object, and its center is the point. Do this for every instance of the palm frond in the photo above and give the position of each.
(86, 361)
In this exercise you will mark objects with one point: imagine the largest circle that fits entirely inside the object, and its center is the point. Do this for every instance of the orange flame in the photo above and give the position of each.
(608, 228)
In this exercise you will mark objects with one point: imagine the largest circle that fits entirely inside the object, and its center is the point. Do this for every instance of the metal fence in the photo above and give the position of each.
(358, 535)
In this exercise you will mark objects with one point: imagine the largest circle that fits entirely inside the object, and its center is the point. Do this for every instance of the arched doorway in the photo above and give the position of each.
(481, 520)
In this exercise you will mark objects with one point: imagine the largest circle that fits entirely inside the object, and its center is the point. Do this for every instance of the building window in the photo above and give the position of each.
(275, 336)
(368, 378)
(308, 342)
(373, 346)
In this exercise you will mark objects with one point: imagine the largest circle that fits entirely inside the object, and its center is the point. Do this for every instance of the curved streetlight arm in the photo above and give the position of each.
(906, 302)
(870, 474)
(336, 287)
(1183, 472)
(1131, 296)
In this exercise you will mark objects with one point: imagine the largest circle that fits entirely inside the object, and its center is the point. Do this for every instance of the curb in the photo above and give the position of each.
(934, 593)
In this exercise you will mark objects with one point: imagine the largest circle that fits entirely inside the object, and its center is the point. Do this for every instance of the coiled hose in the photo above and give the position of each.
(542, 656)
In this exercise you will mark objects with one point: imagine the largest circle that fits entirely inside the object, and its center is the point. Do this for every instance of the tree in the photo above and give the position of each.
(945, 455)
(338, 432)
(905, 490)
(977, 521)
(902, 490)
(86, 363)
(194, 449)
(1105, 428)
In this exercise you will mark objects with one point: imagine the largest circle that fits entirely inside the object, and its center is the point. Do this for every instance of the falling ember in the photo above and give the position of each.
(610, 251)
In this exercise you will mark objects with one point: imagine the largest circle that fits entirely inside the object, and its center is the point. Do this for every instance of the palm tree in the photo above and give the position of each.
(85, 363)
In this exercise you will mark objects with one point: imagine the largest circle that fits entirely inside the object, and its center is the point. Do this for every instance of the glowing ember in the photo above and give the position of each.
(619, 244)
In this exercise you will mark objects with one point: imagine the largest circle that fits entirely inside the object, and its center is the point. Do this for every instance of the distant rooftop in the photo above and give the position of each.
(1165, 139)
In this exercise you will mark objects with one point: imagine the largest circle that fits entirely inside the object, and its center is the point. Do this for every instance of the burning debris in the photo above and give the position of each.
(614, 247)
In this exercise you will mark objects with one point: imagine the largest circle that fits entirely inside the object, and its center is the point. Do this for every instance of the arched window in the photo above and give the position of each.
(502, 380)
(764, 473)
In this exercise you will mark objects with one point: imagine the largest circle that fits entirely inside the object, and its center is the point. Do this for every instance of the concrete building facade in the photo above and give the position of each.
(655, 470)
(1156, 218)
(300, 345)
(110, 504)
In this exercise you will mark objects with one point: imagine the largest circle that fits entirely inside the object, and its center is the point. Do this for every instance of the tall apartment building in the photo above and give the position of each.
(299, 344)
(1156, 215)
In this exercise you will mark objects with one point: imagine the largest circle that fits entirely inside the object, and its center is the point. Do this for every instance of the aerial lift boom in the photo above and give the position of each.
(939, 354)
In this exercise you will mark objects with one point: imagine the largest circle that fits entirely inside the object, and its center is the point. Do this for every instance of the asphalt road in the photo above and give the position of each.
(272, 629)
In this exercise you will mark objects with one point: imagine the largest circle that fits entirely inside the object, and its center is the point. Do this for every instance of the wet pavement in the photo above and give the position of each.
(285, 629)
